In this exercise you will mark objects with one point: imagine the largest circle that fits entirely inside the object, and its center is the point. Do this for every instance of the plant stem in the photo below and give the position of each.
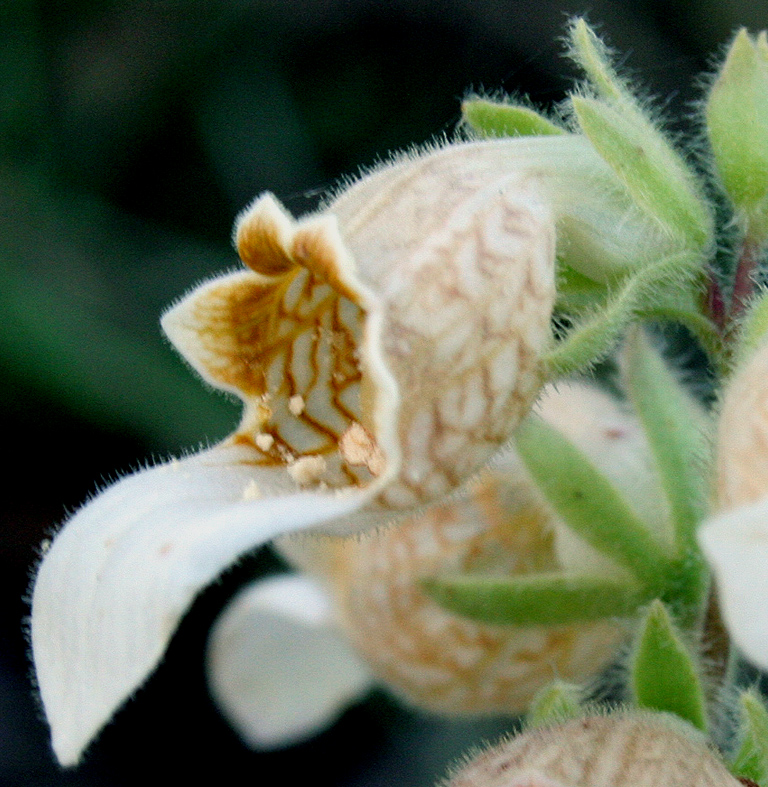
(715, 642)
(743, 282)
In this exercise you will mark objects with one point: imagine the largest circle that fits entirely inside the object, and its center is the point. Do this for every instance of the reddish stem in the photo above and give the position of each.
(743, 283)
(715, 303)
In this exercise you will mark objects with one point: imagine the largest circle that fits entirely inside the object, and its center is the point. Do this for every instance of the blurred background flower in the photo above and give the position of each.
(131, 133)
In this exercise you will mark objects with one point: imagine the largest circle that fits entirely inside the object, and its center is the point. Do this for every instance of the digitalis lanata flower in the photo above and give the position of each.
(383, 348)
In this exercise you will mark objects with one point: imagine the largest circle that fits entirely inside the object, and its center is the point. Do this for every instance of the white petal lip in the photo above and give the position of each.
(277, 666)
(736, 545)
(119, 577)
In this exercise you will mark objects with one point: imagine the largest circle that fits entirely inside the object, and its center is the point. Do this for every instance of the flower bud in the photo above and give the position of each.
(437, 659)
(617, 750)
(737, 124)
(441, 661)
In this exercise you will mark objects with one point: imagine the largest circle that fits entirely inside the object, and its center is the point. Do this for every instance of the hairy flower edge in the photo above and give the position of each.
(437, 268)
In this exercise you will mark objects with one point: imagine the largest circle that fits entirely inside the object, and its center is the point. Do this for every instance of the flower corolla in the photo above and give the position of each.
(358, 615)
(736, 539)
(384, 348)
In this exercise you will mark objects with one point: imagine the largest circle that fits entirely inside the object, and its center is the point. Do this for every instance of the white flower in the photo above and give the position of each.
(736, 540)
(383, 348)
(367, 592)
(276, 663)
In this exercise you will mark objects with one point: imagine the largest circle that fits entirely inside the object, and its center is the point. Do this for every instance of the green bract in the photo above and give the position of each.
(651, 170)
(499, 119)
(751, 759)
(555, 703)
(664, 675)
(737, 124)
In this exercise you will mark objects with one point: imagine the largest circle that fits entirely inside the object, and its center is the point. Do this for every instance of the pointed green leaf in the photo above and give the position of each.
(557, 702)
(588, 51)
(737, 124)
(589, 503)
(751, 760)
(685, 307)
(664, 676)
(676, 428)
(652, 172)
(762, 45)
(535, 599)
(495, 119)
(593, 337)
(577, 293)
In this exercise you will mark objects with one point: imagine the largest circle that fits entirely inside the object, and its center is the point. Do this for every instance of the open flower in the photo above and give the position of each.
(384, 348)
(736, 539)
(358, 613)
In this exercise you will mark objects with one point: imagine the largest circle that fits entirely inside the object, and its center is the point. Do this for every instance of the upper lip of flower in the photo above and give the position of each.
(380, 376)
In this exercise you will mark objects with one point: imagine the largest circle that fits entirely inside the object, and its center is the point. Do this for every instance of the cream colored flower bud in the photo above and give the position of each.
(449, 664)
(742, 438)
(619, 750)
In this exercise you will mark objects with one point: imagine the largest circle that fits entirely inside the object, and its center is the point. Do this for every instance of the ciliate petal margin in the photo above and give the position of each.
(118, 578)
(278, 668)
(381, 362)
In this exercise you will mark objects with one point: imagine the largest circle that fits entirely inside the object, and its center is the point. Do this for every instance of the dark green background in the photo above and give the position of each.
(130, 135)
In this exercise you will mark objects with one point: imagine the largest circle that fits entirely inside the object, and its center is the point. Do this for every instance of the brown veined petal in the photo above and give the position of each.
(394, 346)
(433, 658)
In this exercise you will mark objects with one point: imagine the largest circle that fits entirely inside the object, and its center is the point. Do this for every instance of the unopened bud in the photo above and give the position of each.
(632, 750)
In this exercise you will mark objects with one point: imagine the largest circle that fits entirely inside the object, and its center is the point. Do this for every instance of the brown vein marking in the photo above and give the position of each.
(391, 630)
(324, 430)
(287, 363)
(345, 355)
(314, 364)
(264, 351)
(438, 432)
(271, 457)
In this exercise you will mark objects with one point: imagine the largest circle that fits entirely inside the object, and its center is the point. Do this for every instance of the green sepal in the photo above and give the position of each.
(664, 676)
(592, 338)
(737, 124)
(751, 758)
(499, 119)
(589, 503)
(762, 45)
(652, 172)
(685, 306)
(554, 704)
(551, 598)
(589, 52)
(577, 293)
(676, 429)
